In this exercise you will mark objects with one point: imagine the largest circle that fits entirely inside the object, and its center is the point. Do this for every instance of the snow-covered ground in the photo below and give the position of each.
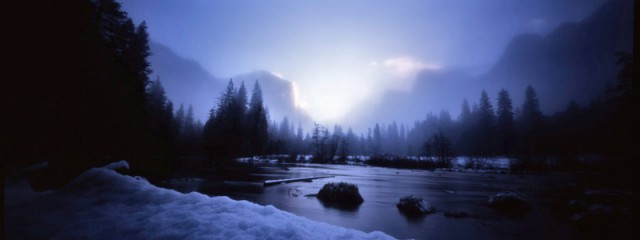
(104, 204)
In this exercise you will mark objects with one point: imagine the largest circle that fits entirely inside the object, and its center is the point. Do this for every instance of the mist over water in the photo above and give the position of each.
(321, 119)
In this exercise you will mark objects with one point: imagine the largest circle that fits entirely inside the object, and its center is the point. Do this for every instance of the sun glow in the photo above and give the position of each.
(330, 93)
(333, 91)
(297, 101)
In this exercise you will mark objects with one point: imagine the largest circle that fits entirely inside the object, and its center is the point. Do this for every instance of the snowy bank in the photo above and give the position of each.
(102, 203)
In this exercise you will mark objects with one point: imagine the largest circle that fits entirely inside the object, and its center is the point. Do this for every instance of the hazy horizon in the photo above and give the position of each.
(341, 56)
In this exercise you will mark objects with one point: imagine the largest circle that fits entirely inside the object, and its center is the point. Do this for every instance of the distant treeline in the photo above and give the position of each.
(483, 129)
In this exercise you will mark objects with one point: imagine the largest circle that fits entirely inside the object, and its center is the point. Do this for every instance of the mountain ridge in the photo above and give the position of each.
(187, 82)
(574, 62)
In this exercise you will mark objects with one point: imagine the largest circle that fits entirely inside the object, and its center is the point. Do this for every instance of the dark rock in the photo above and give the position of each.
(604, 221)
(415, 206)
(602, 213)
(508, 203)
(340, 194)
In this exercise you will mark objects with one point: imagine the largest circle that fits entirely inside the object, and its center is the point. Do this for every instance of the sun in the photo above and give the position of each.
(334, 90)
(330, 95)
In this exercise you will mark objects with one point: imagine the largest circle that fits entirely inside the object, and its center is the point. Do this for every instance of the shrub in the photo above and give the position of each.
(414, 206)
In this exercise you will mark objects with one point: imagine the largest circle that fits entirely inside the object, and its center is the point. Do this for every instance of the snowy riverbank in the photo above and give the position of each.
(102, 203)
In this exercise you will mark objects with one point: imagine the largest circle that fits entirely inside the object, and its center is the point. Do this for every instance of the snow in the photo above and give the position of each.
(102, 203)
(117, 165)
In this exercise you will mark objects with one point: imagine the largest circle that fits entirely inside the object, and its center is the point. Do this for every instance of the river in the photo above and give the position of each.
(449, 191)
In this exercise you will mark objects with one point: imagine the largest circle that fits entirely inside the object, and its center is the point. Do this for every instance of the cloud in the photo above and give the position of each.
(407, 67)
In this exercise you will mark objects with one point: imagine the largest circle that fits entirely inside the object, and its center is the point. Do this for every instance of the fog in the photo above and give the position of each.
(360, 62)
(346, 119)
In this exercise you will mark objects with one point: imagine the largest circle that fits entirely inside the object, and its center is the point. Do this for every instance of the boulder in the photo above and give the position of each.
(508, 203)
(340, 194)
(415, 206)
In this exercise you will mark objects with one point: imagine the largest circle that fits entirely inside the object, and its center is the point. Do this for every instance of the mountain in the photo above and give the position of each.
(187, 82)
(278, 96)
(575, 62)
(432, 91)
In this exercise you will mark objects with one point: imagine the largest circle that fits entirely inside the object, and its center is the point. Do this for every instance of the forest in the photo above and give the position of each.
(97, 104)
(92, 137)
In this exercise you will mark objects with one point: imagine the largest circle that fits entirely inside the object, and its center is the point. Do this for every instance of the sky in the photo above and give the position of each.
(340, 54)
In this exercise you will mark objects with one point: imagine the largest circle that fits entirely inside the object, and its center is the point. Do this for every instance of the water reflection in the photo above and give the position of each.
(463, 194)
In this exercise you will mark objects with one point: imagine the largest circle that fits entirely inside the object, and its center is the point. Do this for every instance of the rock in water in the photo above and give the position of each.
(508, 203)
(340, 194)
(415, 206)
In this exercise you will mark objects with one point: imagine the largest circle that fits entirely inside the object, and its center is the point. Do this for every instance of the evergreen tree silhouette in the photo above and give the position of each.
(160, 112)
(257, 125)
(219, 130)
(377, 141)
(531, 122)
(465, 129)
(319, 137)
(179, 120)
(505, 122)
(485, 126)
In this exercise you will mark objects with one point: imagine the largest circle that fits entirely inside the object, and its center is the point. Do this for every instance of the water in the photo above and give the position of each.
(382, 188)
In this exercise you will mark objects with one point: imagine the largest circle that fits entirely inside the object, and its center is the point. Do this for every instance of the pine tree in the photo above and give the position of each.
(257, 125)
(192, 133)
(284, 136)
(158, 103)
(485, 126)
(130, 44)
(239, 121)
(225, 103)
(299, 142)
(179, 120)
(348, 144)
(136, 56)
(392, 139)
(377, 140)
(221, 138)
(531, 122)
(465, 127)
(505, 122)
(465, 113)
(188, 124)
(319, 138)
(160, 113)
(82, 44)
(241, 99)
(531, 114)
(113, 24)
